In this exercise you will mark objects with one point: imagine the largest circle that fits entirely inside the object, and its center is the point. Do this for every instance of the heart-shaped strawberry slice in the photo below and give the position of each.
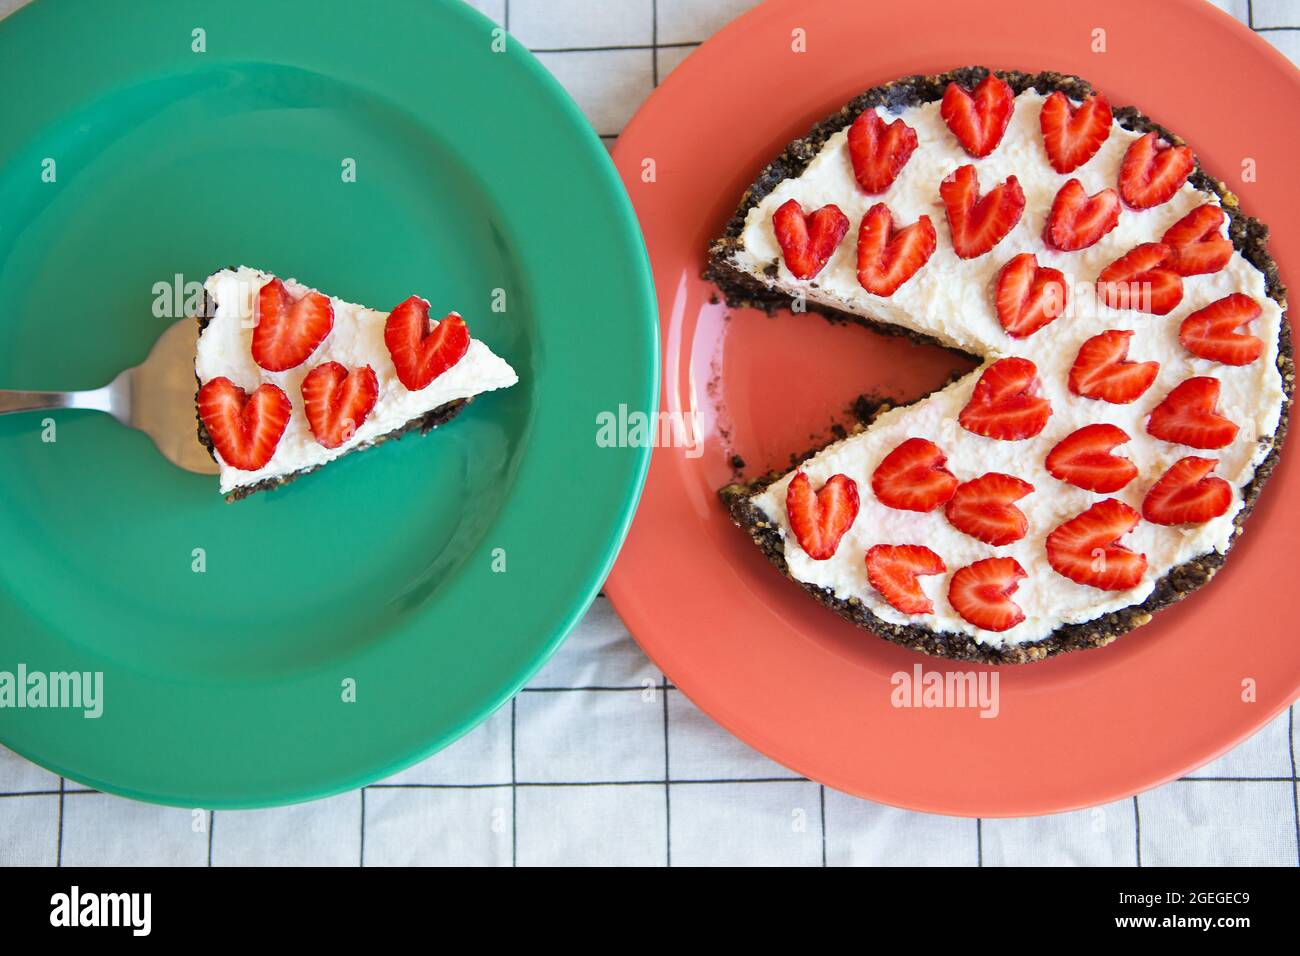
(1198, 243)
(808, 241)
(1078, 220)
(337, 402)
(1187, 494)
(1152, 171)
(1102, 370)
(912, 477)
(820, 520)
(1086, 548)
(978, 223)
(1142, 279)
(1006, 402)
(1028, 296)
(244, 429)
(888, 257)
(985, 509)
(419, 354)
(288, 330)
(1189, 415)
(978, 120)
(879, 152)
(1072, 135)
(981, 593)
(1212, 333)
(893, 570)
(1085, 459)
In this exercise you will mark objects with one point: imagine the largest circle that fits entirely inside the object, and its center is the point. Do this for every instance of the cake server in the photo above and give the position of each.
(156, 396)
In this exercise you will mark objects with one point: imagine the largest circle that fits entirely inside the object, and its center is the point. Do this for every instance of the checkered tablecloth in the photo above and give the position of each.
(599, 759)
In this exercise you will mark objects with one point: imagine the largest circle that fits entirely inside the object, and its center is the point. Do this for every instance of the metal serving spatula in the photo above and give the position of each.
(157, 397)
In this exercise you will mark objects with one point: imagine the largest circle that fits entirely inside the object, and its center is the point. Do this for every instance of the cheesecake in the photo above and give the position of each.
(1135, 363)
(291, 378)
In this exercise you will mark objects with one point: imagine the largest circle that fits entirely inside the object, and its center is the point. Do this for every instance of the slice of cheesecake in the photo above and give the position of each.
(291, 378)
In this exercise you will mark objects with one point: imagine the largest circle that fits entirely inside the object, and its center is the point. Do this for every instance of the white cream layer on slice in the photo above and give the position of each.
(951, 299)
(225, 348)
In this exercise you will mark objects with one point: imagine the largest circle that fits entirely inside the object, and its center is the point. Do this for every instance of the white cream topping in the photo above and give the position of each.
(357, 339)
(951, 299)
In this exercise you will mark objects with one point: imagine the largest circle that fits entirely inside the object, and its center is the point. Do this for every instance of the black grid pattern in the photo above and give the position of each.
(972, 841)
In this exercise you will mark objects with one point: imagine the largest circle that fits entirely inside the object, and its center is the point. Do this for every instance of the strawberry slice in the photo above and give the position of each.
(419, 354)
(1197, 240)
(1006, 402)
(1073, 134)
(245, 429)
(979, 223)
(1152, 171)
(1028, 296)
(1102, 371)
(979, 120)
(288, 331)
(1187, 494)
(820, 520)
(888, 257)
(337, 402)
(912, 477)
(1083, 459)
(984, 508)
(1142, 279)
(1189, 415)
(981, 593)
(1085, 549)
(893, 569)
(879, 152)
(807, 241)
(1212, 333)
(1078, 220)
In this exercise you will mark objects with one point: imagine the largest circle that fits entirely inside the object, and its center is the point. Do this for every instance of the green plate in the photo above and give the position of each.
(435, 574)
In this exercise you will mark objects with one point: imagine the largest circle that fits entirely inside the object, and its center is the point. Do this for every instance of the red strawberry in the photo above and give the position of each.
(1142, 279)
(1084, 459)
(1006, 403)
(1212, 333)
(288, 331)
(1073, 134)
(983, 508)
(1028, 296)
(1078, 220)
(888, 257)
(1153, 171)
(1085, 549)
(978, 121)
(1189, 415)
(978, 224)
(1187, 494)
(820, 520)
(892, 570)
(245, 429)
(912, 477)
(807, 242)
(420, 355)
(1199, 246)
(337, 401)
(879, 152)
(981, 593)
(1102, 371)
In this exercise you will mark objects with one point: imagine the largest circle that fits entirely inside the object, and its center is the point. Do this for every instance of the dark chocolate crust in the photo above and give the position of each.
(421, 423)
(1249, 237)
